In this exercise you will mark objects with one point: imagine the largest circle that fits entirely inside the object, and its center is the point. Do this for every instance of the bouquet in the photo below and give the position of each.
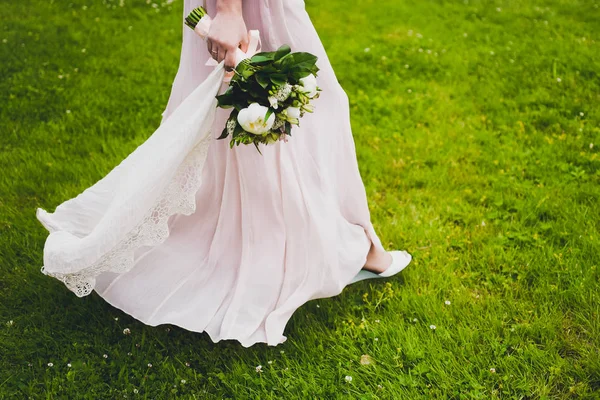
(268, 92)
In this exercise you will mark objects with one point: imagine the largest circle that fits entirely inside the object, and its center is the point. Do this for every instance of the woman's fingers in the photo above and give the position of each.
(221, 55)
(245, 42)
(230, 60)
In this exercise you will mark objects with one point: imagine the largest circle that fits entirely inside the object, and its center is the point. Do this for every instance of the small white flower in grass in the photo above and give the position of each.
(282, 351)
(183, 381)
(60, 77)
(591, 145)
(558, 80)
(366, 359)
(50, 364)
(105, 356)
(415, 320)
(126, 331)
(129, 354)
(432, 327)
(29, 364)
(83, 50)
(187, 364)
(10, 323)
(136, 391)
(409, 90)
(493, 370)
(318, 306)
(367, 49)
(581, 114)
(348, 378)
(447, 302)
(377, 321)
(259, 368)
(69, 365)
(482, 223)
(149, 365)
(116, 318)
(269, 362)
(376, 339)
(379, 387)
(68, 111)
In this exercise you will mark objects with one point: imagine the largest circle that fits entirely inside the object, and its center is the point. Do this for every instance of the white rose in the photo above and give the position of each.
(293, 112)
(309, 83)
(252, 119)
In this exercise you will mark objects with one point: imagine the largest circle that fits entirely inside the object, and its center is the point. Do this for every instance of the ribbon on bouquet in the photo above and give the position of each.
(254, 45)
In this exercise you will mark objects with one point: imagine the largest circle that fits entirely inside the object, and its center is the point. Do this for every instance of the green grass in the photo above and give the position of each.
(477, 128)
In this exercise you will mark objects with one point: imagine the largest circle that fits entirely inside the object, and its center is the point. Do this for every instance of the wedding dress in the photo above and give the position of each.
(189, 232)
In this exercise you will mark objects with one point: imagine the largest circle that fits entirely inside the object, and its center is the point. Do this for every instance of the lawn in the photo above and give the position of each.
(477, 129)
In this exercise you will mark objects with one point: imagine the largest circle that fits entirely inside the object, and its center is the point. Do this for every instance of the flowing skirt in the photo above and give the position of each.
(269, 232)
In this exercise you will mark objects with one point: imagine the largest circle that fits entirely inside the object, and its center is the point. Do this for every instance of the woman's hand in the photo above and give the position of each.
(227, 32)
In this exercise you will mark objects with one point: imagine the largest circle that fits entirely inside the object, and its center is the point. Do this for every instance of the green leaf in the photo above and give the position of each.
(278, 79)
(282, 51)
(263, 80)
(268, 114)
(223, 134)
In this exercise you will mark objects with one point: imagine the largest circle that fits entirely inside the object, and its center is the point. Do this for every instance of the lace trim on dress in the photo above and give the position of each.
(178, 198)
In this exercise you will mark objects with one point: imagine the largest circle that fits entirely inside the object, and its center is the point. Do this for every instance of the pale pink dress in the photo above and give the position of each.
(271, 231)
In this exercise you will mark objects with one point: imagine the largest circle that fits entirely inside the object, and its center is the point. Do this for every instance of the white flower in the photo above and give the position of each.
(293, 112)
(183, 381)
(273, 102)
(269, 362)
(252, 119)
(309, 83)
(69, 365)
(447, 302)
(432, 327)
(105, 356)
(10, 323)
(493, 370)
(50, 365)
(282, 351)
(135, 391)
(348, 378)
(259, 368)
(149, 365)
(558, 79)
(126, 331)
(377, 321)
(116, 318)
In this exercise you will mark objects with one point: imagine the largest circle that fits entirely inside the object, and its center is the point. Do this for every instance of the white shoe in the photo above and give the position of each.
(400, 259)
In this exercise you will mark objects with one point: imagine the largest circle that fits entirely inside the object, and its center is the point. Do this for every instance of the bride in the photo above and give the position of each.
(189, 232)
